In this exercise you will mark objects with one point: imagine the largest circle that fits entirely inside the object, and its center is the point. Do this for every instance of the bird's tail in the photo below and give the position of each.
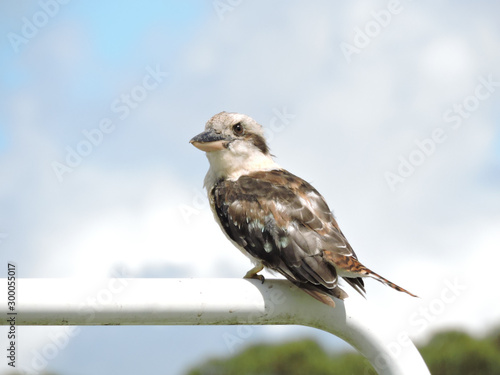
(387, 282)
(351, 270)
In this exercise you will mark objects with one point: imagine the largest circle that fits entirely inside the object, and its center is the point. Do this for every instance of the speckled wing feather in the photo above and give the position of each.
(284, 222)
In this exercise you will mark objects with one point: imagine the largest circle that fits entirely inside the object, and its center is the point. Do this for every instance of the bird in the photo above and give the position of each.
(275, 218)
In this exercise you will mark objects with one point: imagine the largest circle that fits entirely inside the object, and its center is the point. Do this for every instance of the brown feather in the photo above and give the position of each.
(281, 220)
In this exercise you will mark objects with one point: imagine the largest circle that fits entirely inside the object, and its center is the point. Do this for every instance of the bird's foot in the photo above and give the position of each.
(256, 276)
(254, 273)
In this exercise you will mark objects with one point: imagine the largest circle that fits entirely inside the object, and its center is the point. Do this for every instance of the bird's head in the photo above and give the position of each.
(235, 145)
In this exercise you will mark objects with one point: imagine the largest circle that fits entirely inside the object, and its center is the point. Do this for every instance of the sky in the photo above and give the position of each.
(390, 109)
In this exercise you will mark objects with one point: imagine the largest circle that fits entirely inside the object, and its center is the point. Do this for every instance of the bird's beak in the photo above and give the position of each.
(209, 141)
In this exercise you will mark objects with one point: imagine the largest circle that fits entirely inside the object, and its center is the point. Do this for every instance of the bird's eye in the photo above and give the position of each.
(238, 129)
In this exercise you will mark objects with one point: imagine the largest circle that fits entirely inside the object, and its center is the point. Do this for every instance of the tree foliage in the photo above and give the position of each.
(447, 353)
(457, 353)
(292, 358)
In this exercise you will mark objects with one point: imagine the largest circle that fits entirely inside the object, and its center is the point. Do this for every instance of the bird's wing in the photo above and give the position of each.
(283, 221)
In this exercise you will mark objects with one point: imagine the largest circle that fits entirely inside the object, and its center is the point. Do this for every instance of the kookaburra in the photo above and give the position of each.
(275, 218)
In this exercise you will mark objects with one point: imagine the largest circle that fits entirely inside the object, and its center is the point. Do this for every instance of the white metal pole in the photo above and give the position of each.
(129, 301)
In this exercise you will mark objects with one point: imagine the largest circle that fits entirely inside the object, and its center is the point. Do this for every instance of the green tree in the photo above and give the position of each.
(292, 358)
(454, 352)
(447, 353)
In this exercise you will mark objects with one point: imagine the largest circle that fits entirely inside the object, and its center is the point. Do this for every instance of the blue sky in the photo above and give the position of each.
(356, 129)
